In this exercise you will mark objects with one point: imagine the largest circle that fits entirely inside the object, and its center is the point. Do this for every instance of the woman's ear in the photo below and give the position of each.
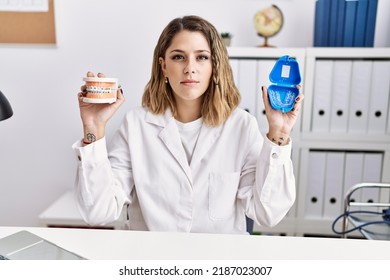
(161, 61)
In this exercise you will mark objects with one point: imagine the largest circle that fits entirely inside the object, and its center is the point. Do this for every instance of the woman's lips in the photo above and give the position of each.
(189, 82)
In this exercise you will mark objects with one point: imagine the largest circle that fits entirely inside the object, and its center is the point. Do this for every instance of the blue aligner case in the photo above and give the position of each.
(285, 77)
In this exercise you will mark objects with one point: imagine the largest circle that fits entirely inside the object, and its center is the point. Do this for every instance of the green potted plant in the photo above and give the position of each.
(226, 37)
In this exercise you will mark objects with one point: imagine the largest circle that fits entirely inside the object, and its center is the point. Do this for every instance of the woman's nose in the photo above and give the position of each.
(190, 67)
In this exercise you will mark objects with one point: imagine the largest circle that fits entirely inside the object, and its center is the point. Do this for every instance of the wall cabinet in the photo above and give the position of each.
(343, 134)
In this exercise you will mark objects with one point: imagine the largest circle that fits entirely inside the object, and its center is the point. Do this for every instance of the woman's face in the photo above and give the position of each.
(187, 65)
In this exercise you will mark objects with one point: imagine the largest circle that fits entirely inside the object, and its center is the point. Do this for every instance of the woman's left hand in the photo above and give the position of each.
(281, 124)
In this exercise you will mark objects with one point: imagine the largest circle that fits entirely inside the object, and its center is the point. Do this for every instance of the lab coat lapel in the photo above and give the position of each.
(207, 137)
(170, 136)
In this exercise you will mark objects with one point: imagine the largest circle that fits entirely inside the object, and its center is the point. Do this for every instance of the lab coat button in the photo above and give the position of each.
(274, 155)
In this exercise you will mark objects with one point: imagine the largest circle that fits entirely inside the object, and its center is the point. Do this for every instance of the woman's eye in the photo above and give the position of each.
(203, 57)
(178, 57)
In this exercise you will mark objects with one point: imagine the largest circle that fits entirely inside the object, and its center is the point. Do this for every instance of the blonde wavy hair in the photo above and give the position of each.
(220, 98)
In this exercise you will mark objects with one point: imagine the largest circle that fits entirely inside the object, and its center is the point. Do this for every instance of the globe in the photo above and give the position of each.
(268, 22)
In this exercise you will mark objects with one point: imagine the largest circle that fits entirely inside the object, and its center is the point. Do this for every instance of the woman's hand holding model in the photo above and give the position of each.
(95, 116)
(280, 124)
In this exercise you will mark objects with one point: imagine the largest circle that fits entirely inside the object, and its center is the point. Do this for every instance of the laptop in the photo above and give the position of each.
(24, 245)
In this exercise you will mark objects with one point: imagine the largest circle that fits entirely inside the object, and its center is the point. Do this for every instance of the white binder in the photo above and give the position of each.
(334, 180)
(353, 172)
(341, 88)
(264, 67)
(379, 97)
(315, 184)
(372, 173)
(234, 65)
(359, 99)
(247, 79)
(322, 94)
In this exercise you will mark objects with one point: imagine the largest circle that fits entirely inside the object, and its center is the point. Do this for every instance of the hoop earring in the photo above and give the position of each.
(166, 80)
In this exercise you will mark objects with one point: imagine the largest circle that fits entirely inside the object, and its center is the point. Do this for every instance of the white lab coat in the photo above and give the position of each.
(234, 172)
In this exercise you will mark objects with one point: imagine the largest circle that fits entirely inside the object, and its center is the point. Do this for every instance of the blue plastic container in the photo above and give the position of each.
(285, 77)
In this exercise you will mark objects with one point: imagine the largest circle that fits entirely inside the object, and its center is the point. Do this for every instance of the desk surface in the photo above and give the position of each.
(63, 212)
(121, 244)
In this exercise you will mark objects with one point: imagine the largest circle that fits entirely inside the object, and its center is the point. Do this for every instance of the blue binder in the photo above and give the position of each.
(321, 25)
(360, 23)
(345, 23)
(371, 21)
(349, 23)
(340, 23)
(333, 23)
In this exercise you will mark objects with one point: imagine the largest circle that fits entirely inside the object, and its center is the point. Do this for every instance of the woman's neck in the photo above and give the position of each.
(188, 111)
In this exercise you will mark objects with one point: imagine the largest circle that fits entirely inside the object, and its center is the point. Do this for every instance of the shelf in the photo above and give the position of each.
(264, 53)
(348, 53)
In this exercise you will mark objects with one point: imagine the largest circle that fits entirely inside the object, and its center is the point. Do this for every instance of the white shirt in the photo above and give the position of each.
(189, 134)
(234, 171)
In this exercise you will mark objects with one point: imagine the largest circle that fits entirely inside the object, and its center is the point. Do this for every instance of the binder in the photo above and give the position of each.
(340, 96)
(340, 23)
(334, 22)
(349, 22)
(322, 95)
(372, 172)
(334, 180)
(247, 79)
(321, 23)
(370, 23)
(360, 93)
(345, 23)
(379, 97)
(360, 23)
(264, 67)
(315, 184)
(353, 171)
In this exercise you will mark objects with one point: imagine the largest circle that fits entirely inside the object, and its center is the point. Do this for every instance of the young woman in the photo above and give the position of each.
(188, 159)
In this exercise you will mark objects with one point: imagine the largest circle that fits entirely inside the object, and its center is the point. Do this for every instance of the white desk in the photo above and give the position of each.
(64, 213)
(124, 245)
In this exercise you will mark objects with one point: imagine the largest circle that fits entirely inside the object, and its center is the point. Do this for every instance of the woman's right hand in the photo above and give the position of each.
(95, 116)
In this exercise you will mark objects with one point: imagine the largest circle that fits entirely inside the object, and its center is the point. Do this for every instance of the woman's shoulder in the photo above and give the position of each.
(243, 124)
(241, 115)
(134, 115)
(136, 112)
(142, 114)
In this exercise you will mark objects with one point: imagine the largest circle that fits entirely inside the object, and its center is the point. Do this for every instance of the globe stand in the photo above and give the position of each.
(265, 44)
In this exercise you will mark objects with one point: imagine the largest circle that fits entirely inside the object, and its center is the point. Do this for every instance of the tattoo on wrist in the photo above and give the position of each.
(91, 137)
(279, 141)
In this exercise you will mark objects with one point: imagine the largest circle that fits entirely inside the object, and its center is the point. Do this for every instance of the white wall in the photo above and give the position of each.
(116, 37)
